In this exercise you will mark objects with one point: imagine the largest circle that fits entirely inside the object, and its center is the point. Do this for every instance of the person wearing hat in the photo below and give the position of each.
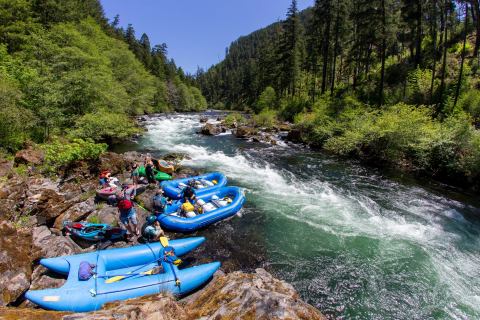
(134, 174)
(152, 230)
(189, 191)
(160, 202)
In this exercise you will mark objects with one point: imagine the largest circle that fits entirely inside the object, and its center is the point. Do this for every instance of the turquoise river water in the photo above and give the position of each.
(355, 242)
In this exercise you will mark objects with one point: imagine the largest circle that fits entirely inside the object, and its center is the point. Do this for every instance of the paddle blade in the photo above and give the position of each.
(164, 241)
(115, 279)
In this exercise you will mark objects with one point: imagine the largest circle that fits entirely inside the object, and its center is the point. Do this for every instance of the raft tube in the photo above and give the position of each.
(91, 295)
(94, 232)
(173, 189)
(172, 221)
(158, 175)
(164, 166)
(109, 191)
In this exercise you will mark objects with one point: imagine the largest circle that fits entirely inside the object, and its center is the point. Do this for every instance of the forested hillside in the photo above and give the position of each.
(65, 71)
(391, 81)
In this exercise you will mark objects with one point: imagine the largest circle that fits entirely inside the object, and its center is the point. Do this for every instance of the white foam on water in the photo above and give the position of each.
(412, 215)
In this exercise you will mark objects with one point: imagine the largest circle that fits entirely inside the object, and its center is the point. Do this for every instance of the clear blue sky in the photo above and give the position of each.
(197, 31)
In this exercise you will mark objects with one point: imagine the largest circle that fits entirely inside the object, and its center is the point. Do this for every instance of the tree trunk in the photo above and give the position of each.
(460, 75)
(325, 53)
(418, 51)
(476, 9)
(444, 62)
(384, 49)
(335, 53)
(434, 36)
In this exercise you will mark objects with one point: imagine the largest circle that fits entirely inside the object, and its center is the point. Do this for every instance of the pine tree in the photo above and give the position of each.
(290, 51)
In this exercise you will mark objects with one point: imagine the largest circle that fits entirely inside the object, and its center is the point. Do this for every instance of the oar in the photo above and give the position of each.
(128, 275)
(164, 241)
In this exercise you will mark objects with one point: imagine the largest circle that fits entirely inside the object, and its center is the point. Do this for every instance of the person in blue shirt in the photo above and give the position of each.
(160, 202)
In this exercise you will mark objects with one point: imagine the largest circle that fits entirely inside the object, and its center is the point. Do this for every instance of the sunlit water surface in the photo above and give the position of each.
(354, 243)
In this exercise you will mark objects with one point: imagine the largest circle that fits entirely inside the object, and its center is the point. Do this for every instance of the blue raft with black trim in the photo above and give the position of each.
(215, 207)
(174, 188)
(91, 295)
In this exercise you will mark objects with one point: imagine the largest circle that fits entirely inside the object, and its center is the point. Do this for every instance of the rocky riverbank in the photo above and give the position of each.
(248, 129)
(32, 210)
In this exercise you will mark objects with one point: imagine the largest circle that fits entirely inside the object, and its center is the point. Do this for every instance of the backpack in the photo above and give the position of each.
(125, 204)
(85, 271)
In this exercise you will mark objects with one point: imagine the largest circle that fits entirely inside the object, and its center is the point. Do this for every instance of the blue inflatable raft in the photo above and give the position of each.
(217, 205)
(133, 263)
(204, 184)
(93, 232)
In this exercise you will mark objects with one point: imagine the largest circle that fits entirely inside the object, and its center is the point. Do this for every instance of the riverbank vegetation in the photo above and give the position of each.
(392, 81)
(65, 71)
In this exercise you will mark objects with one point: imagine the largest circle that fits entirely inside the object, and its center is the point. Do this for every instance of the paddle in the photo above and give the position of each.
(128, 275)
(164, 241)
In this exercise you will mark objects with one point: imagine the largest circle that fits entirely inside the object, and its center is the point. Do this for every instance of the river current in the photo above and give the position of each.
(355, 242)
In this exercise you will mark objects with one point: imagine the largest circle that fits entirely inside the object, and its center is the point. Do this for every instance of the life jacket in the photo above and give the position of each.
(125, 204)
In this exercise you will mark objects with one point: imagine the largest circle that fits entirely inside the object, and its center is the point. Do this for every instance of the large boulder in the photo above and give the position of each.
(295, 135)
(162, 307)
(114, 162)
(29, 156)
(211, 129)
(77, 212)
(5, 167)
(258, 295)
(50, 205)
(15, 262)
(107, 214)
(245, 132)
(49, 245)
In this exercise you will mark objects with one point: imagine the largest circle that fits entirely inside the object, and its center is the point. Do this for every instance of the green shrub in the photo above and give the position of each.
(266, 119)
(104, 126)
(94, 219)
(267, 100)
(418, 86)
(470, 102)
(61, 153)
(290, 107)
(233, 118)
(219, 106)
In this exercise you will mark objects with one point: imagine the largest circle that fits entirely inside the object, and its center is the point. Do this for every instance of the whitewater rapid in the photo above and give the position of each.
(380, 225)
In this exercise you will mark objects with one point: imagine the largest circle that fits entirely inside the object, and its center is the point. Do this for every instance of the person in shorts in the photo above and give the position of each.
(128, 216)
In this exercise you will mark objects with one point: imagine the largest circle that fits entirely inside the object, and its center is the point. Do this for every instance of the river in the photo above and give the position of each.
(356, 242)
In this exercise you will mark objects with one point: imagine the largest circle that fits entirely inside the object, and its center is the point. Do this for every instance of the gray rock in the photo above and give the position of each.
(50, 245)
(75, 213)
(15, 262)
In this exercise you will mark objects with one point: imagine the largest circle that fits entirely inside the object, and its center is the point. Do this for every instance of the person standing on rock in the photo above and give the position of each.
(128, 216)
(134, 174)
(149, 170)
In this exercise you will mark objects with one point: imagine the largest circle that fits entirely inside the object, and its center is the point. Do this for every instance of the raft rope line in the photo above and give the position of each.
(176, 280)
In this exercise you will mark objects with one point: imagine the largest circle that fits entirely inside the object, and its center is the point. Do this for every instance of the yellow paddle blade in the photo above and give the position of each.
(118, 278)
(115, 279)
(164, 241)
